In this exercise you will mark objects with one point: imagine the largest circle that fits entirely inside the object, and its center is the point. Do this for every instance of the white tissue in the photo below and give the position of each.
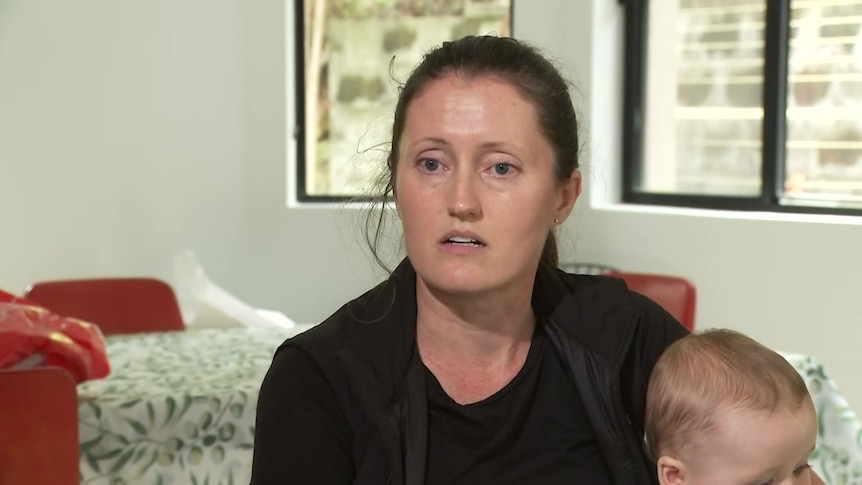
(207, 305)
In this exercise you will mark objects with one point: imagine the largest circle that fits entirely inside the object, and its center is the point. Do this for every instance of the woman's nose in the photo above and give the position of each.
(464, 200)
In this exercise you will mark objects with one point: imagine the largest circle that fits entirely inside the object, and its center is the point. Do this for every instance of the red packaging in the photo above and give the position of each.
(28, 331)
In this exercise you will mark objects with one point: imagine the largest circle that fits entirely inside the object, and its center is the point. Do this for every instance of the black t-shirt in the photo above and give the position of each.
(534, 430)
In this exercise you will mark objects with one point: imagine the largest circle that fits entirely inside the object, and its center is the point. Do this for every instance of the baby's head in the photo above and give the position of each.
(723, 409)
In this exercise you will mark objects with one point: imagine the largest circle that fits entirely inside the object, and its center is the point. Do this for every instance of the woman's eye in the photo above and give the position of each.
(801, 469)
(430, 164)
(502, 168)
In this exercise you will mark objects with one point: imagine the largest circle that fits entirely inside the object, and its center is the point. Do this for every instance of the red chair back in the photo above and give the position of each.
(39, 427)
(116, 305)
(675, 294)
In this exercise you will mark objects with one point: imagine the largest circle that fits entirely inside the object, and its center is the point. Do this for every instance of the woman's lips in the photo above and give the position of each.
(462, 237)
(462, 244)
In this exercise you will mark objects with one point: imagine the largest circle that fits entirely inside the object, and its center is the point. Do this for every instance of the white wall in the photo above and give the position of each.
(130, 131)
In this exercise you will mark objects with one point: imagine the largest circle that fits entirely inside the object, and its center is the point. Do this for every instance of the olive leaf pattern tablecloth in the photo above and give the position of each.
(838, 456)
(178, 407)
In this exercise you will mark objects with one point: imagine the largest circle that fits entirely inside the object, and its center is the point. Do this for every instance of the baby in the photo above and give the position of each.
(723, 409)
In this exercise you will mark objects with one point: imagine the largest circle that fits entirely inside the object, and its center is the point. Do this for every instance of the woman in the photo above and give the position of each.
(477, 361)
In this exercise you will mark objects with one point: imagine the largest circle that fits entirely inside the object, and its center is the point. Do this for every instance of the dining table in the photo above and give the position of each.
(837, 458)
(179, 408)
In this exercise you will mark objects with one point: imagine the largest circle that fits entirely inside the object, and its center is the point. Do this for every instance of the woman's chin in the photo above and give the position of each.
(461, 281)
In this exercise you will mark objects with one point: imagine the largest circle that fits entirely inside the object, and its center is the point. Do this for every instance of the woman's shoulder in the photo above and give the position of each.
(366, 321)
(598, 304)
(311, 356)
(589, 295)
(338, 328)
(610, 290)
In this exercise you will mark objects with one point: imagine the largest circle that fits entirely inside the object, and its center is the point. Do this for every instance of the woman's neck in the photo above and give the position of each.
(473, 327)
(473, 344)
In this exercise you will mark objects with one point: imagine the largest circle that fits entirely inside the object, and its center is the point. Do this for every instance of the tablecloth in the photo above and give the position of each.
(178, 407)
(838, 455)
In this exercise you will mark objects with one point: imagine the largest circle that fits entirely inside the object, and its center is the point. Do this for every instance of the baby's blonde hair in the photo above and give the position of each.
(709, 372)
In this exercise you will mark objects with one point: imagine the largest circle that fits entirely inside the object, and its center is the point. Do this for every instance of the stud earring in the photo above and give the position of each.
(556, 221)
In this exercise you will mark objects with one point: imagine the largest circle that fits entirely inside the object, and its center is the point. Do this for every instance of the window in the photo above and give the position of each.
(354, 53)
(744, 104)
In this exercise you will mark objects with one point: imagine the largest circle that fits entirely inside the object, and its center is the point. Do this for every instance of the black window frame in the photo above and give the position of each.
(635, 57)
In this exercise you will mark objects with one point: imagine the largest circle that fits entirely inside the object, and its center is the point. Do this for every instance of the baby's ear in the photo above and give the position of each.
(670, 471)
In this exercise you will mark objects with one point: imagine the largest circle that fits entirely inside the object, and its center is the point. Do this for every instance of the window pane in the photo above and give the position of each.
(356, 52)
(703, 97)
(824, 104)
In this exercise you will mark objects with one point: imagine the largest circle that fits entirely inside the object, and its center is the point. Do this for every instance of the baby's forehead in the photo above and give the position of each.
(730, 417)
(743, 428)
(758, 442)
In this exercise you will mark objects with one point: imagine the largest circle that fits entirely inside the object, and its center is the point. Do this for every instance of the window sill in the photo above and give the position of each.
(764, 216)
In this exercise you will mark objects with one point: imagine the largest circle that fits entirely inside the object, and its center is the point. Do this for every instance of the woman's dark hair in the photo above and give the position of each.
(508, 60)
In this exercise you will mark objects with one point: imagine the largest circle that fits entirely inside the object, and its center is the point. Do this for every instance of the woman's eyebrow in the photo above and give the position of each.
(487, 145)
(432, 139)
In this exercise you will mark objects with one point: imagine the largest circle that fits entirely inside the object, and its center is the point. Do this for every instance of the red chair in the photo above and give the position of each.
(675, 294)
(39, 427)
(116, 305)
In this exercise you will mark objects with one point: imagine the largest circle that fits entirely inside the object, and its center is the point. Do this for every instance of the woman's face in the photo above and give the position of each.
(476, 188)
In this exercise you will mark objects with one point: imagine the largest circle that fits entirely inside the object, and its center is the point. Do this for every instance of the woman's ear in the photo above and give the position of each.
(569, 192)
(670, 471)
